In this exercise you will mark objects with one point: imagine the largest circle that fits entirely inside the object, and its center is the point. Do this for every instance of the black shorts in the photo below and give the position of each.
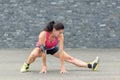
(53, 51)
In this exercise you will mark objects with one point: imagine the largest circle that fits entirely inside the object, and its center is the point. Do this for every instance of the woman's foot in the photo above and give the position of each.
(94, 64)
(25, 67)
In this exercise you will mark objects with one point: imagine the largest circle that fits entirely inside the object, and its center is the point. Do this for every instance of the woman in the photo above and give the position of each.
(51, 41)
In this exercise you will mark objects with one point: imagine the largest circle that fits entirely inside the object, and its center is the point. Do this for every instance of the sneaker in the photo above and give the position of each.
(95, 63)
(24, 68)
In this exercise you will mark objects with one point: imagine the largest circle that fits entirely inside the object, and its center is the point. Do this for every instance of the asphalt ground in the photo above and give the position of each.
(11, 61)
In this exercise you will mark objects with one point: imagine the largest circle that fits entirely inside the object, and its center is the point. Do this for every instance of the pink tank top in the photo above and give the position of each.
(48, 44)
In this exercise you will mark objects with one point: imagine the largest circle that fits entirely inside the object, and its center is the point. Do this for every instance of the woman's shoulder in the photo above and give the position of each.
(42, 33)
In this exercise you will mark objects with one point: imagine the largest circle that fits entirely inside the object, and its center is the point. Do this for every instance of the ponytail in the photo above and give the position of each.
(49, 26)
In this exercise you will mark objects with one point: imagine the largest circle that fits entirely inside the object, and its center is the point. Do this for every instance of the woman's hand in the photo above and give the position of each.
(43, 70)
(63, 70)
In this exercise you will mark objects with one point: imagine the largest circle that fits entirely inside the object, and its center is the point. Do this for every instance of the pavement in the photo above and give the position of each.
(11, 61)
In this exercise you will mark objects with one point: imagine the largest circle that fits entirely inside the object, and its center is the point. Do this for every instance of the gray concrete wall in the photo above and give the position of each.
(88, 23)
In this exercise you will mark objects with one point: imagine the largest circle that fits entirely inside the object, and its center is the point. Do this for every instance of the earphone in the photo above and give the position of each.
(54, 31)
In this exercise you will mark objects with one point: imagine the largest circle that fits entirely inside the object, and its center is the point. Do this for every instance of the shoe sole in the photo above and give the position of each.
(24, 71)
(96, 65)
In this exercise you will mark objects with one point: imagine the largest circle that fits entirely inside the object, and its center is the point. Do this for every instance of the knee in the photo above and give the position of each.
(34, 55)
(70, 59)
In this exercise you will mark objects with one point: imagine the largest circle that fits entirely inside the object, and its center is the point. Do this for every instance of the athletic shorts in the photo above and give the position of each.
(51, 51)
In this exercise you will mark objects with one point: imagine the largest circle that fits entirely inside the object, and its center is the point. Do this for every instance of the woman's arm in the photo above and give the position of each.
(42, 41)
(61, 45)
(42, 45)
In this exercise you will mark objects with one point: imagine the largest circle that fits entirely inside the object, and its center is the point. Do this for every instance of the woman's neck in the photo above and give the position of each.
(51, 36)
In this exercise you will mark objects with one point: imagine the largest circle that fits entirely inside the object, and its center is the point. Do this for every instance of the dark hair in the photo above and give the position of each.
(49, 27)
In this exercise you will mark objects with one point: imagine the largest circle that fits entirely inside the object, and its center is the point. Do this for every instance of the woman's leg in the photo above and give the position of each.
(34, 54)
(80, 63)
(72, 60)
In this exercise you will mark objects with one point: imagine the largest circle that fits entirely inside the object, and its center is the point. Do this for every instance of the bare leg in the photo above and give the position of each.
(37, 53)
(34, 54)
(72, 60)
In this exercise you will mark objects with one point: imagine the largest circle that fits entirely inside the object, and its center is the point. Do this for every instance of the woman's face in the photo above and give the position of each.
(57, 33)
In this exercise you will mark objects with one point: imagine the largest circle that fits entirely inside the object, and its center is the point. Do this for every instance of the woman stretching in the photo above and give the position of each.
(51, 41)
